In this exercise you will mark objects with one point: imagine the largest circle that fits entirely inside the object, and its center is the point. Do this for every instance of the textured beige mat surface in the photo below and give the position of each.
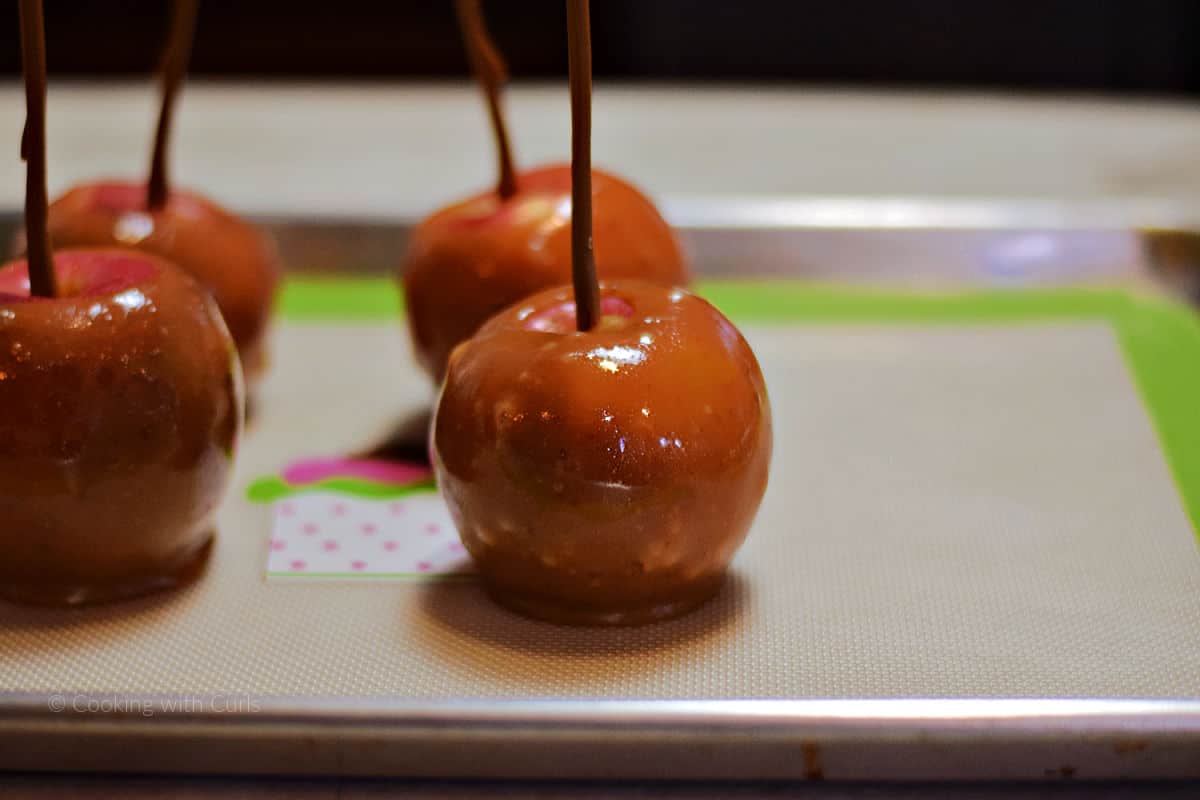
(953, 511)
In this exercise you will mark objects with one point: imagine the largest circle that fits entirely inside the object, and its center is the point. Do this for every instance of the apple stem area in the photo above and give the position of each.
(492, 73)
(583, 263)
(174, 66)
(39, 257)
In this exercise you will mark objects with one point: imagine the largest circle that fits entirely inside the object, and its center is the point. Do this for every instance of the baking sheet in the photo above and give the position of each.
(953, 512)
(973, 562)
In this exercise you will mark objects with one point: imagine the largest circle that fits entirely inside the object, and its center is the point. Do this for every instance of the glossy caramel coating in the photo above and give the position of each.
(228, 255)
(120, 409)
(480, 255)
(604, 477)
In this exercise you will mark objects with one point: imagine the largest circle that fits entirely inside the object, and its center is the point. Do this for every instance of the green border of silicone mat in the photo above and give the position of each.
(1160, 338)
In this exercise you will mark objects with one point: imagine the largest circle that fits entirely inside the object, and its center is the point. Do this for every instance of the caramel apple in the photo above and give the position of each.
(120, 407)
(470, 260)
(228, 255)
(603, 450)
(479, 255)
(604, 476)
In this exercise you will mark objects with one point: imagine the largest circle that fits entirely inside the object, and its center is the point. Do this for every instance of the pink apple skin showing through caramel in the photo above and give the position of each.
(121, 406)
(230, 257)
(477, 256)
(604, 477)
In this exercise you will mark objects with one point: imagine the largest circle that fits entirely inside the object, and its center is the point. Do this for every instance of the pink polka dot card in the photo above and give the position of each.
(352, 519)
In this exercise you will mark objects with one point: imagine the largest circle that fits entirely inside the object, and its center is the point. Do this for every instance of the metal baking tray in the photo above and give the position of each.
(897, 242)
(893, 616)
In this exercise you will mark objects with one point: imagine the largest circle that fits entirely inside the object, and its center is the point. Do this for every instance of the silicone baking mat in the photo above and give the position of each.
(978, 495)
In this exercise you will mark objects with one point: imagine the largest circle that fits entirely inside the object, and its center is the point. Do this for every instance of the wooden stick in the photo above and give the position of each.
(39, 256)
(491, 73)
(583, 263)
(174, 66)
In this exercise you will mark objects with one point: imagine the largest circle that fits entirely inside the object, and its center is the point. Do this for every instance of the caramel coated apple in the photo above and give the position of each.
(120, 410)
(608, 476)
(223, 252)
(480, 255)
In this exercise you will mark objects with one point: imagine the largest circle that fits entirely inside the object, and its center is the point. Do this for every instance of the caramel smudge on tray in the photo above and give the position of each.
(812, 761)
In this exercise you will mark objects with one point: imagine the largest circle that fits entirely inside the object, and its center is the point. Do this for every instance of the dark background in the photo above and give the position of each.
(1128, 46)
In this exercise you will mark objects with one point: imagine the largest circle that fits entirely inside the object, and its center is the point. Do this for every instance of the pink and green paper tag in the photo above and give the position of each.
(336, 518)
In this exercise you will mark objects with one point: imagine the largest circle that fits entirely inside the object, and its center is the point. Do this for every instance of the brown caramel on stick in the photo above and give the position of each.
(33, 149)
(492, 74)
(172, 71)
(583, 263)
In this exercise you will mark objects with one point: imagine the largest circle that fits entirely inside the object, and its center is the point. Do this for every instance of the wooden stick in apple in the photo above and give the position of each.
(583, 262)
(33, 150)
(492, 74)
(172, 71)
(483, 253)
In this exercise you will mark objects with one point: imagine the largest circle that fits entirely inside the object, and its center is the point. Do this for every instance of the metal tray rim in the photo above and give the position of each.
(887, 739)
(946, 715)
(853, 212)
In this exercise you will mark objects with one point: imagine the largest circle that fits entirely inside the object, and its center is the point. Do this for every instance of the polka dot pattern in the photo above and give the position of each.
(361, 538)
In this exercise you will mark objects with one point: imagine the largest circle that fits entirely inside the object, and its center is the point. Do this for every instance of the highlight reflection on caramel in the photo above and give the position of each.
(605, 477)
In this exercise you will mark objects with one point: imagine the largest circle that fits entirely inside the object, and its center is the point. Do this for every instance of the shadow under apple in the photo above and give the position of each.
(470, 632)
